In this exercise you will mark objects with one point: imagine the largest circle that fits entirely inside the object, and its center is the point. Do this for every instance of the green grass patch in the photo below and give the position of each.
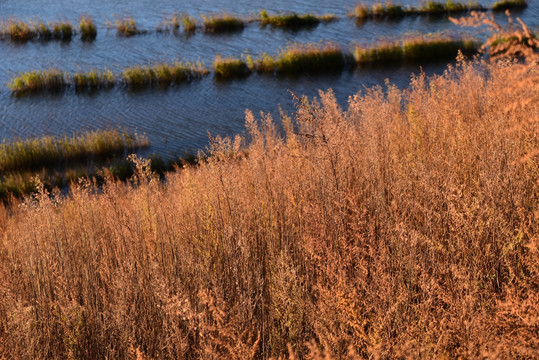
(228, 68)
(436, 47)
(414, 49)
(87, 28)
(126, 26)
(162, 73)
(303, 58)
(33, 81)
(93, 80)
(293, 20)
(19, 30)
(503, 5)
(48, 151)
(222, 23)
(62, 30)
(393, 10)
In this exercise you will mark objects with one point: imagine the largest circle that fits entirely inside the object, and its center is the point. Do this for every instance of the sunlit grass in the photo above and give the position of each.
(293, 20)
(87, 28)
(32, 81)
(93, 80)
(394, 10)
(222, 23)
(227, 68)
(126, 26)
(62, 30)
(303, 58)
(414, 49)
(162, 73)
(47, 151)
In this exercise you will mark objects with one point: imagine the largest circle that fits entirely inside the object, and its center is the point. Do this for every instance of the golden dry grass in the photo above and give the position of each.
(403, 226)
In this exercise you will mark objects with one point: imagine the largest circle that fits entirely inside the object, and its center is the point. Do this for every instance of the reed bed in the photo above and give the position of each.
(229, 68)
(93, 80)
(219, 23)
(303, 58)
(401, 226)
(34, 81)
(19, 30)
(47, 151)
(415, 49)
(394, 10)
(62, 30)
(126, 26)
(87, 28)
(503, 5)
(162, 74)
(293, 20)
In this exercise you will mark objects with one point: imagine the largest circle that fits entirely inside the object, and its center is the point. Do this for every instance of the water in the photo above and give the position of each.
(181, 117)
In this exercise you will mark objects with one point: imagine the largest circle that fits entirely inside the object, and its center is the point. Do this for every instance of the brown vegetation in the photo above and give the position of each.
(405, 226)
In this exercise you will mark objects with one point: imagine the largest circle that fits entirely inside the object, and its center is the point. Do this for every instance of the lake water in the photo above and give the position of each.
(181, 117)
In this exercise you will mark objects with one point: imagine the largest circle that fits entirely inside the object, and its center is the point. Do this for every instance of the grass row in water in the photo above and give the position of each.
(47, 151)
(18, 183)
(222, 23)
(293, 20)
(162, 73)
(295, 59)
(19, 30)
(395, 10)
(55, 80)
(414, 49)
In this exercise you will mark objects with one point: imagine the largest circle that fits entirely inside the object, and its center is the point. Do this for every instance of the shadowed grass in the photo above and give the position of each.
(293, 20)
(222, 23)
(33, 81)
(503, 5)
(93, 80)
(87, 28)
(384, 53)
(228, 68)
(303, 58)
(47, 151)
(162, 73)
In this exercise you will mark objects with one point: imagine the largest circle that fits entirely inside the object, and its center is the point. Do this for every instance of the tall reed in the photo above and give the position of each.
(401, 226)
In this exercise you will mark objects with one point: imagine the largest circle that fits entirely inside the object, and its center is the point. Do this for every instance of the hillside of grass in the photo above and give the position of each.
(404, 225)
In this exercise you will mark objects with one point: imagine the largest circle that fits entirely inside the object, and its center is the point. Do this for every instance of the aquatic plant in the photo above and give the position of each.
(293, 20)
(303, 58)
(414, 49)
(47, 151)
(227, 68)
(188, 23)
(126, 26)
(19, 30)
(222, 23)
(62, 30)
(93, 80)
(170, 23)
(162, 73)
(32, 81)
(87, 28)
(393, 10)
(434, 47)
(503, 5)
